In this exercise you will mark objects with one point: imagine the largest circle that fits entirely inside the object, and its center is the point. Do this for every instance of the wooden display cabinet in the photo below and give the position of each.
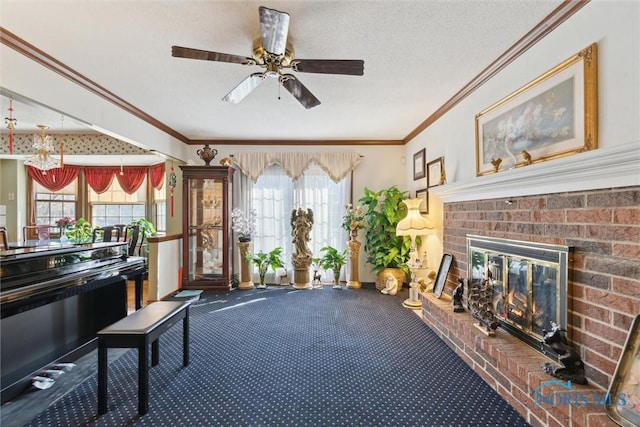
(207, 254)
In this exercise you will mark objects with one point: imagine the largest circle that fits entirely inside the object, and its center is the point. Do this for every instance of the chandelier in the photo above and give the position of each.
(42, 159)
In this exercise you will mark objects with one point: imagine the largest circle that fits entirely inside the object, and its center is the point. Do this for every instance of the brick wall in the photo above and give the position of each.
(604, 228)
(513, 369)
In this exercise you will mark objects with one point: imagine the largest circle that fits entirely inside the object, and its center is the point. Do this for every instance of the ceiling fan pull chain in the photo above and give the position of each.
(279, 85)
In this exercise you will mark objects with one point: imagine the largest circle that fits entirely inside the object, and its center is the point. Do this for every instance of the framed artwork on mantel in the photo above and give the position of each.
(418, 165)
(553, 116)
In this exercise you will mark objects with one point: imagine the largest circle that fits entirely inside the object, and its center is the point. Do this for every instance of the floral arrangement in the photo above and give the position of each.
(353, 219)
(244, 223)
(66, 222)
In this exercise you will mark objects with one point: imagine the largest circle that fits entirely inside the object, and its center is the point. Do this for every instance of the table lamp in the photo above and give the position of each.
(413, 225)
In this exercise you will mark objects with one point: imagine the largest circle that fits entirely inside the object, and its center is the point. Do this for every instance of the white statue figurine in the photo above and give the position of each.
(391, 285)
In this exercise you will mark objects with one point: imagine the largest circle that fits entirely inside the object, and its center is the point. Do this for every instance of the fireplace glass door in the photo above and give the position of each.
(528, 283)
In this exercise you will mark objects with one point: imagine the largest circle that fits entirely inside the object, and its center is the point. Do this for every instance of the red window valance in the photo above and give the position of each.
(99, 178)
(156, 174)
(131, 178)
(54, 179)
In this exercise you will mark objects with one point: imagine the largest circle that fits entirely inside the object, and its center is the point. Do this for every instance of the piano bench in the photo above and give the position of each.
(138, 330)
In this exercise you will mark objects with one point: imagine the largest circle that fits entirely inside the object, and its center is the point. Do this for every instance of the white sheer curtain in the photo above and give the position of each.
(275, 195)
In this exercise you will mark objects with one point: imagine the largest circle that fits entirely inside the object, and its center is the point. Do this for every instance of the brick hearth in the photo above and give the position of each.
(510, 367)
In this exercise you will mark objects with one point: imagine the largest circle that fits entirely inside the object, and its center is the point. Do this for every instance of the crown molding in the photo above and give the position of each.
(299, 142)
(551, 22)
(30, 51)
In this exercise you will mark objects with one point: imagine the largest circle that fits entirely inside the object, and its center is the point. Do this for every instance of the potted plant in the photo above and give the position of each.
(146, 228)
(387, 252)
(243, 223)
(334, 260)
(264, 260)
(65, 225)
(82, 232)
(353, 220)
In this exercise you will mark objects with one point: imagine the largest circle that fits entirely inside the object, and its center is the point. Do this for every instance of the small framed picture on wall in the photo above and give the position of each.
(435, 172)
(418, 165)
(424, 195)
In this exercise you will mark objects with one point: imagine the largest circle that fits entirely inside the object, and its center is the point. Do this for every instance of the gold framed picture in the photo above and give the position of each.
(424, 195)
(555, 115)
(435, 172)
(418, 165)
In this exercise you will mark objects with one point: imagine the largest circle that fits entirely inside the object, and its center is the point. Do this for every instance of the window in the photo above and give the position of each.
(274, 196)
(114, 206)
(160, 209)
(50, 206)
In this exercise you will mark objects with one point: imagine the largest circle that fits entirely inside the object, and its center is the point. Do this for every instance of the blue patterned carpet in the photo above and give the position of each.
(280, 357)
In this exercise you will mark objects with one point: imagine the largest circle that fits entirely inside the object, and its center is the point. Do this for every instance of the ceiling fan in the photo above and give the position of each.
(272, 52)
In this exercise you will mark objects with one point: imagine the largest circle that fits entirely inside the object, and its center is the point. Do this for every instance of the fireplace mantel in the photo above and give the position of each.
(612, 167)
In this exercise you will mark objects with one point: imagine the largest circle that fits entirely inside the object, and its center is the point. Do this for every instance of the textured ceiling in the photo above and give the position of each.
(417, 55)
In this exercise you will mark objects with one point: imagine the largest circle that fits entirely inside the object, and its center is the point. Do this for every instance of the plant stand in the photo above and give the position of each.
(354, 253)
(301, 279)
(245, 266)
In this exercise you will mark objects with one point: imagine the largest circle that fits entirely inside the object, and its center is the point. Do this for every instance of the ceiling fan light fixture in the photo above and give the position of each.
(273, 52)
(273, 71)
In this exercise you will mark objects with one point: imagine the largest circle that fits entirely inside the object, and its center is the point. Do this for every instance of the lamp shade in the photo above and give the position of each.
(414, 224)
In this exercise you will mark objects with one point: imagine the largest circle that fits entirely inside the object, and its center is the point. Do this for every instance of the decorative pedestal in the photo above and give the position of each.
(354, 253)
(414, 302)
(301, 279)
(245, 266)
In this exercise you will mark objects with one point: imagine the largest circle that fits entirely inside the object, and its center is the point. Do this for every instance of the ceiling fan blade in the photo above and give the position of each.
(186, 52)
(274, 28)
(245, 87)
(354, 67)
(299, 91)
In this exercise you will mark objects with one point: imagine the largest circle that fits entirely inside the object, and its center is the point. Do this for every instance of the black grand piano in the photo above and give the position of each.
(53, 300)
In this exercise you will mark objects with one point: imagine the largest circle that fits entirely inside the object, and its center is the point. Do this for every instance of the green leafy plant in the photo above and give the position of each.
(264, 260)
(334, 260)
(383, 210)
(81, 233)
(147, 228)
(235, 280)
(353, 220)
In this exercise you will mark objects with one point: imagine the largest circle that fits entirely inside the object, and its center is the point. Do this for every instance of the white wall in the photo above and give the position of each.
(614, 26)
(31, 80)
(164, 272)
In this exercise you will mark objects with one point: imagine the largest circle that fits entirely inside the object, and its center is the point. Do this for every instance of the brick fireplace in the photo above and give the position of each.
(603, 228)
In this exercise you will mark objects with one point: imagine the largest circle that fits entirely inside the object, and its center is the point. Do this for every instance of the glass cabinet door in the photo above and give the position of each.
(205, 228)
(207, 256)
